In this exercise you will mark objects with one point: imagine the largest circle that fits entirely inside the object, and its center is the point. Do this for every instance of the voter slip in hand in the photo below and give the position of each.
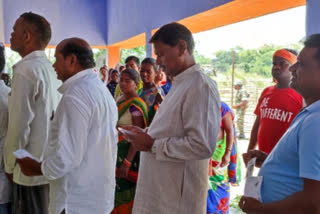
(253, 183)
(126, 133)
(22, 153)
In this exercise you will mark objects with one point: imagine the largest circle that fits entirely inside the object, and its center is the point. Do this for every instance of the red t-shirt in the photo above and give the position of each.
(276, 109)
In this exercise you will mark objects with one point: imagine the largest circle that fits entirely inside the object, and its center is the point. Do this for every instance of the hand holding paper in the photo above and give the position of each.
(30, 165)
(22, 153)
(140, 140)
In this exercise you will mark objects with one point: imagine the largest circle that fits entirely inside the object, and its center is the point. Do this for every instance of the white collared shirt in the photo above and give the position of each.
(5, 185)
(31, 103)
(80, 158)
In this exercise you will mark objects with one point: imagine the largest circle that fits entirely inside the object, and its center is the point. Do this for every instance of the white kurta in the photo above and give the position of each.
(81, 155)
(32, 102)
(5, 185)
(185, 128)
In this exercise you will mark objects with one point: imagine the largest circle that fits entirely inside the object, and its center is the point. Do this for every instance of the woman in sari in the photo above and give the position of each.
(132, 111)
(224, 166)
(150, 93)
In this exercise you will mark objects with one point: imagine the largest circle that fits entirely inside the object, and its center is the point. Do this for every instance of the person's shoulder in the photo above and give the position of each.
(294, 94)
(312, 117)
(30, 68)
(268, 90)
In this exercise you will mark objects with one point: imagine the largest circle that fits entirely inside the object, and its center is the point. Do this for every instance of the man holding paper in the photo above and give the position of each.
(173, 173)
(291, 172)
(31, 104)
(80, 158)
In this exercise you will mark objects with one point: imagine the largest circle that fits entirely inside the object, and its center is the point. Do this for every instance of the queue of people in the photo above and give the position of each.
(125, 141)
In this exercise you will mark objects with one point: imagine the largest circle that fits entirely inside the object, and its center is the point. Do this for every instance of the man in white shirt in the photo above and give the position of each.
(173, 173)
(5, 184)
(80, 158)
(32, 102)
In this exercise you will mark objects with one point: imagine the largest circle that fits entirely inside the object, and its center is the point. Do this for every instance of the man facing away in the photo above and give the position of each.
(80, 158)
(173, 176)
(277, 105)
(291, 172)
(32, 102)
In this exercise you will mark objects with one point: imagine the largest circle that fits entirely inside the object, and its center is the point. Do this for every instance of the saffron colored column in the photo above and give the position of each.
(113, 56)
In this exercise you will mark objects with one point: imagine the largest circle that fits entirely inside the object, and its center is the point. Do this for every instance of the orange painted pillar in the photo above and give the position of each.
(113, 56)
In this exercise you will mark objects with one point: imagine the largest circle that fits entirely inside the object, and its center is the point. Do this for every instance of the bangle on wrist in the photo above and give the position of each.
(127, 163)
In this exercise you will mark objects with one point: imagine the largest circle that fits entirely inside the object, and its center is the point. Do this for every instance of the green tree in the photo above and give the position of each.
(202, 60)
(139, 52)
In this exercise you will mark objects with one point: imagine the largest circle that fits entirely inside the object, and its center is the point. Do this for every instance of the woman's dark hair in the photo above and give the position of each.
(133, 74)
(152, 62)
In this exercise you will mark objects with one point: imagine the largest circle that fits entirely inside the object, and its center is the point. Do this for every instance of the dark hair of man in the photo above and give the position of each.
(152, 62)
(114, 71)
(133, 74)
(133, 58)
(170, 34)
(40, 27)
(292, 51)
(313, 41)
(2, 58)
(84, 54)
(121, 67)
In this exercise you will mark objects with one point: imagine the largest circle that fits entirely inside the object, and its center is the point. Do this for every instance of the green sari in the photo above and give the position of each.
(126, 187)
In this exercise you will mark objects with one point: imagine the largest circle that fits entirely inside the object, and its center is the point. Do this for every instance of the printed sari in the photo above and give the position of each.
(219, 178)
(149, 97)
(126, 187)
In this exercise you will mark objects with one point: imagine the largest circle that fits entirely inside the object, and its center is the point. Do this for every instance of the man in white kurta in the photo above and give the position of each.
(80, 158)
(5, 184)
(173, 173)
(32, 102)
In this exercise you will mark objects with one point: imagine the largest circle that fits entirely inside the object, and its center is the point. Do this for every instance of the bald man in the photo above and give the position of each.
(80, 158)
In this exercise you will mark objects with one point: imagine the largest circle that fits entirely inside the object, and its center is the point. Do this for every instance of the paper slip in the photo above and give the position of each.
(253, 187)
(126, 132)
(250, 167)
(22, 153)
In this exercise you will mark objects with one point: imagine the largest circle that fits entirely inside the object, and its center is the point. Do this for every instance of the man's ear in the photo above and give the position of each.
(182, 45)
(27, 36)
(73, 59)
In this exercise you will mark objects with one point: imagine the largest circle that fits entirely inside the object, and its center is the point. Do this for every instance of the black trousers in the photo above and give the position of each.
(30, 199)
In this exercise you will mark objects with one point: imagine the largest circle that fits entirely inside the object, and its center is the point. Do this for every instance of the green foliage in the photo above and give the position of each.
(100, 57)
(234, 203)
(258, 61)
(11, 59)
(139, 52)
(202, 60)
